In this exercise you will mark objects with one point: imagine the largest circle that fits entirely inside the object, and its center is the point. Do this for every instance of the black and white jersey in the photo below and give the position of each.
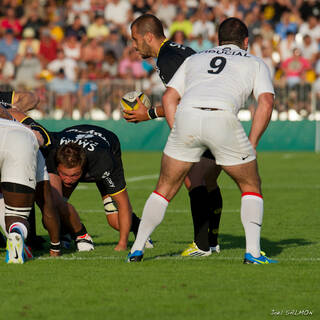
(171, 56)
(6, 99)
(102, 147)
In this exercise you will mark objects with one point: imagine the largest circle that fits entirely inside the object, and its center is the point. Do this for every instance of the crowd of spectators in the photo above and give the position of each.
(81, 51)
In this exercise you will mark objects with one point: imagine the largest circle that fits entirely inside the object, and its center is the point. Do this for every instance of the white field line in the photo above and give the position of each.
(173, 257)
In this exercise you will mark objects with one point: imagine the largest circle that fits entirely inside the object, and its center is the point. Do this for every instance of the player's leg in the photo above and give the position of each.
(215, 204)
(248, 180)
(18, 201)
(171, 177)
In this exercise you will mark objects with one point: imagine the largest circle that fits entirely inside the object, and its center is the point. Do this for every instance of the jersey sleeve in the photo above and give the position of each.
(263, 82)
(178, 80)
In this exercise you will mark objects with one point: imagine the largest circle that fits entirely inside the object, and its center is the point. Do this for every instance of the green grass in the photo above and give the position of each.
(100, 285)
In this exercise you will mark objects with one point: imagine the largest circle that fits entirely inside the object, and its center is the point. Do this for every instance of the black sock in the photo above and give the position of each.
(215, 205)
(200, 215)
(135, 224)
(82, 232)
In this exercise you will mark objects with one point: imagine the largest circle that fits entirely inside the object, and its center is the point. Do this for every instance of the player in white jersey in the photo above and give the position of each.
(23, 174)
(212, 86)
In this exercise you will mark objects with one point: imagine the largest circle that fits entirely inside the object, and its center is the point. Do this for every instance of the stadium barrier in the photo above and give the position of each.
(152, 135)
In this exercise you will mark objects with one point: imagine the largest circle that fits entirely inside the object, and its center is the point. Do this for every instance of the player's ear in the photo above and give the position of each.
(148, 37)
(246, 43)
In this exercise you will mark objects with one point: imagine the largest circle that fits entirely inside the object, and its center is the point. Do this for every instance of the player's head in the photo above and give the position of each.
(233, 31)
(70, 161)
(144, 30)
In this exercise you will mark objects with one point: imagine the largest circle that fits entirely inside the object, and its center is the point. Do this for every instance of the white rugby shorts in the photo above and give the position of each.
(18, 155)
(196, 130)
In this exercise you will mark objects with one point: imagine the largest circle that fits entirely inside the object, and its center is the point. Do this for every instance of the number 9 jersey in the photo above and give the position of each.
(222, 77)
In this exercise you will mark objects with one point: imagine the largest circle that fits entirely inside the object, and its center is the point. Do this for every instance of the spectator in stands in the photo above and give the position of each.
(140, 7)
(65, 91)
(181, 23)
(6, 69)
(165, 11)
(200, 44)
(311, 27)
(287, 45)
(71, 47)
(34, 22)
(110, 65)
(80, 8)
(98, 28)
(130, 66)
(48, 47)
(295, 68)
(92, 51)
(86, 92)
(9, 21)
(28, 41)
(117, 12)
(203, 27)
(9, 45)
(114, 43)
(309, 49)
(179, 37)
(28, 68)
(285, 25)
(68, 65)
(77, 29)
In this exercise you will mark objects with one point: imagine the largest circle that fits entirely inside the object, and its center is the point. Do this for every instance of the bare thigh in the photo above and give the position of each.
(246, 176)
(172, 175)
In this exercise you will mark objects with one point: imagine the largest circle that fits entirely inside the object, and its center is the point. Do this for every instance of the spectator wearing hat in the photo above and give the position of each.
(9, 45)
(28, 41)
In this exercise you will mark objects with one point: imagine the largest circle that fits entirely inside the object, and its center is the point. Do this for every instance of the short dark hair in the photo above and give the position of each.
(232, 31)
(71, 155)
(148, 23)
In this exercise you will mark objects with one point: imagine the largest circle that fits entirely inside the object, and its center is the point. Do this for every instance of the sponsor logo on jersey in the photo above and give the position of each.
(106, 177)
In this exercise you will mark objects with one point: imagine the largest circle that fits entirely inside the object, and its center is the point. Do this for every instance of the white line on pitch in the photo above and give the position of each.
(174, 257)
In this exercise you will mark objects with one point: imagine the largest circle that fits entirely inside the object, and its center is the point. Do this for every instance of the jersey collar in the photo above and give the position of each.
(162, 43)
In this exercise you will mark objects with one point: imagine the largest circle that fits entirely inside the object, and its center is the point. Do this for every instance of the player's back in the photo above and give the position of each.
(222, 77)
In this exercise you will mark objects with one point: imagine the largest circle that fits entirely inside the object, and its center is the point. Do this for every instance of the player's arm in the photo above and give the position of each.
(50, 217)
(143, 113)
(67, 212)
(25, 101)
(170, 101)
(125, 213)
(4, 114)
(261, 117)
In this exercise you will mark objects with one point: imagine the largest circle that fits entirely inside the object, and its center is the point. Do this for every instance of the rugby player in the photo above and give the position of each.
(210, 88)
(43, 198)
(19, 172)
(204, 192)
(100, 163)
(24, 101)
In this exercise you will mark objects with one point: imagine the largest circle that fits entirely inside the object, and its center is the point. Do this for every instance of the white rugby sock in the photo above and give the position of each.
(251, 218)
(153, 213)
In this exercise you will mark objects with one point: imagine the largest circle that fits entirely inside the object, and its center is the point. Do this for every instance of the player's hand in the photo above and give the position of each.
(141, 114)
(120, 247)
(55, 253)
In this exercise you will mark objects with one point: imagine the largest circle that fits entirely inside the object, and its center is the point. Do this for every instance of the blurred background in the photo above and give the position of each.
(78, 57)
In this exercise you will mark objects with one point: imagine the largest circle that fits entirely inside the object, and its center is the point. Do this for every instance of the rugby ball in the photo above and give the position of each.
(129, 100)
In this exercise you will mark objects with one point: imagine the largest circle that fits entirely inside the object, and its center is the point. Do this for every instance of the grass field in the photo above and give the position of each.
(100, 285)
